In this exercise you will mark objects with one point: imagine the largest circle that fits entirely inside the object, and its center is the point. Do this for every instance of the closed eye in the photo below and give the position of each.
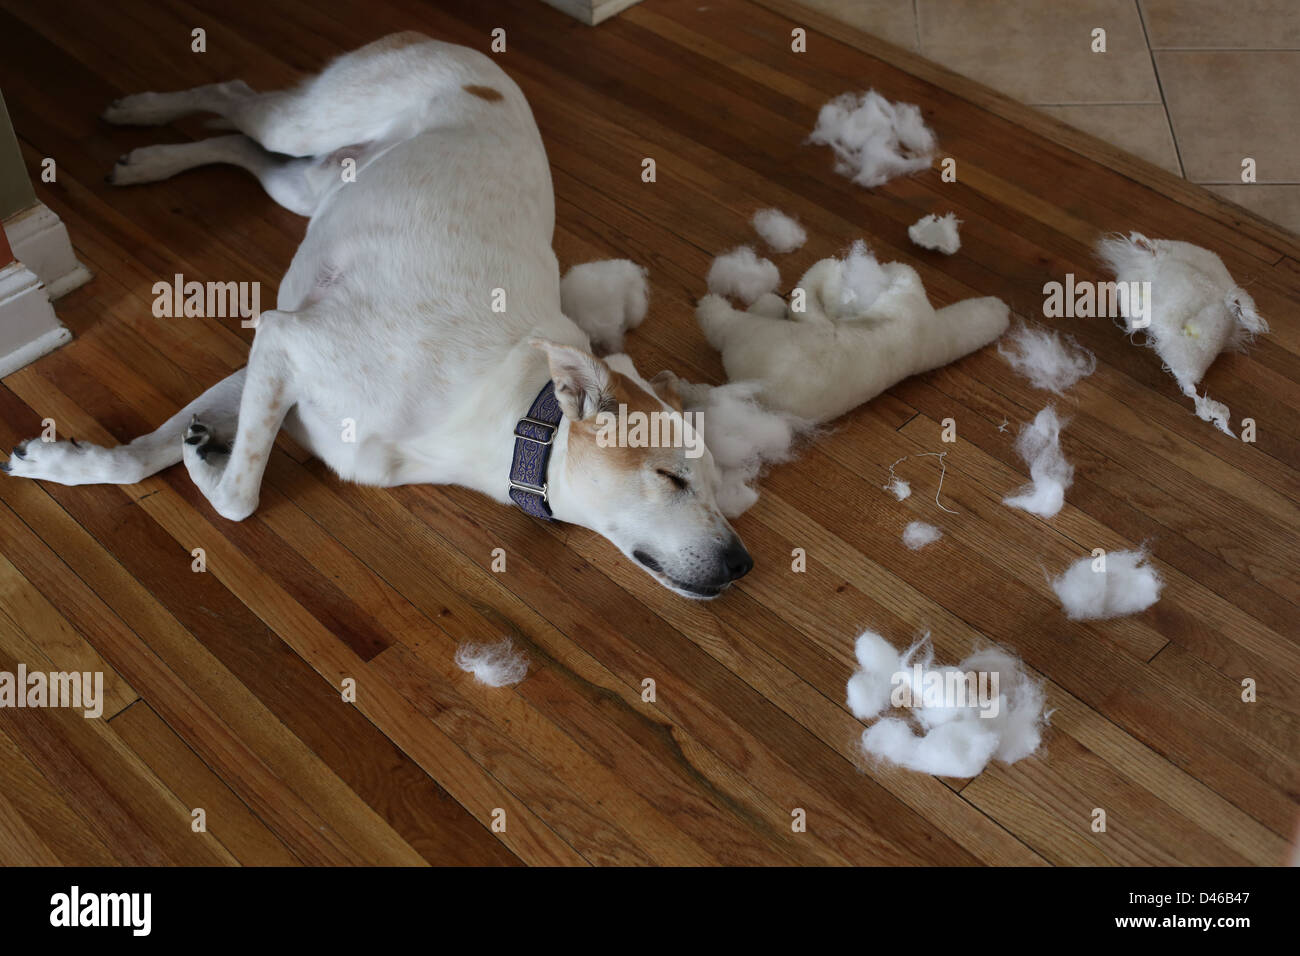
(678, 481)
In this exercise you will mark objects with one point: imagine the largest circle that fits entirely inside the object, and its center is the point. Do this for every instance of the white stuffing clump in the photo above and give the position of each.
(896, 486)
(933, 232)
(874, 140)
(1051, 361)
(985, 708)
(742, 274)
(918, 534)
(854, 328)
(782, 233)
(742, 436)
(1039, 444)
(497, 665)
(605, 299)
(1108, 585)
(862, 280)
(1194, 310)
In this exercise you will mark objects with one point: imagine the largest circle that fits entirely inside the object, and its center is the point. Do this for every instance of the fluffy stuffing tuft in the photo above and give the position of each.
(1039, 444)
(862, 281)
(1111, 585)
(960, 718)
(933, 232)
(896, 486)
(605, 299)
(918, 534)
(497, 665)
(742, 435)
(874, 140)
(1195, 309)
(742, 274)
(782, 233)
(1050, 360)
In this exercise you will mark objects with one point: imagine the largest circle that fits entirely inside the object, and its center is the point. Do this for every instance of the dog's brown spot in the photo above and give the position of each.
(483, 92)
(583, 435)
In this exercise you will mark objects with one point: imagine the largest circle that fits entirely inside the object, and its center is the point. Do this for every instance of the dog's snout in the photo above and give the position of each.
(737, 560)
(646, 560)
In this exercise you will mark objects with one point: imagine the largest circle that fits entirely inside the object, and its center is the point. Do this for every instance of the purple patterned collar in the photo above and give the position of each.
(534, 439)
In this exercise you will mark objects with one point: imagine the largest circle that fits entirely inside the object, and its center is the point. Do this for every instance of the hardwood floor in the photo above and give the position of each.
(223, 686)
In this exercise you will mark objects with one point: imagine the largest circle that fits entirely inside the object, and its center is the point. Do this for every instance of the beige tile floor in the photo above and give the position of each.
(1195, 86)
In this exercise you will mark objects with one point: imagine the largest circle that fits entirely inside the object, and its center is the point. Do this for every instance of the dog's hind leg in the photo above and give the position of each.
(285, 179)
(229, 471)
(81, 463)
(390, 89)
(155, 109)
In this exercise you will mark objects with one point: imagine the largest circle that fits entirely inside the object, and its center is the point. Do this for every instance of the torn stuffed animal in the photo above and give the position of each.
(1050, 360)
(874, 140)
(985, 708)
(853, 328)
(782, 233)
(605, 299)
(1188, 305)
(1108, 585)
(1039, 444)
(934, 232)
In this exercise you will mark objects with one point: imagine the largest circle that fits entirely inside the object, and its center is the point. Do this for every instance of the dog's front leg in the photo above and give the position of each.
(228, 470)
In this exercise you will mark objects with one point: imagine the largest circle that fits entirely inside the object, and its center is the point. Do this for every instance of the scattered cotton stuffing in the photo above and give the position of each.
(1208, 410)
(782, 233)
(896, 486)
(918, 534)
(870, 686)
(605, 299)
(742, 435)
(1050, 360)
(874, 140)
(1039, 444)
(497, 665)
(742, 274)
(957, 718)
(1187, 304)
(862, 280)
(1108, 585)
(933, 232)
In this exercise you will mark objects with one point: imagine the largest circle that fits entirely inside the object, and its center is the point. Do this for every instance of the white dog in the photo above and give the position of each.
(386, 316)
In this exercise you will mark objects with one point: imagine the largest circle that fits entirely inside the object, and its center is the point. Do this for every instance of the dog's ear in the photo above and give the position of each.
(583, 384)
(665, 386)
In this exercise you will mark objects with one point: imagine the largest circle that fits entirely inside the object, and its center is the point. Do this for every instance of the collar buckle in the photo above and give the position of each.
(541, 489)
(550, 428)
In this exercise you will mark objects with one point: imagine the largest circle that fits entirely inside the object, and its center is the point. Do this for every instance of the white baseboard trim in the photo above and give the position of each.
(40, 242)
(28, 326)
(592, 12)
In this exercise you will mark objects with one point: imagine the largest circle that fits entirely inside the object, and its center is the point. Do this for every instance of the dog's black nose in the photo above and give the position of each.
(737, 561)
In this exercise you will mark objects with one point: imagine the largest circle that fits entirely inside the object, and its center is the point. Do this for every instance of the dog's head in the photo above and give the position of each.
(636, 472)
